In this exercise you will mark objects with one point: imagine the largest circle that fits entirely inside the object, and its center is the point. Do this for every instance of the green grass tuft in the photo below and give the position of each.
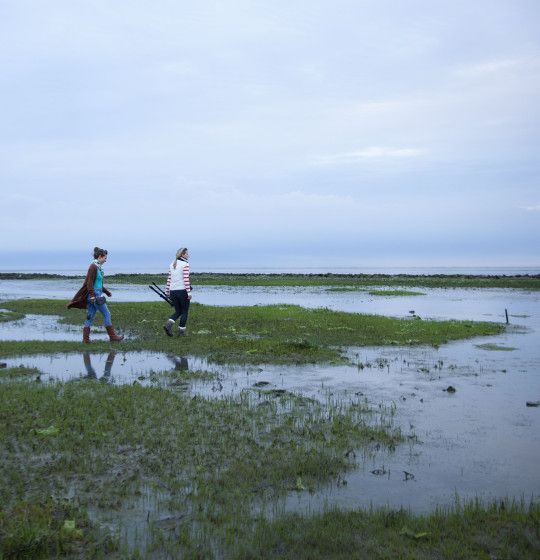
(495, 347)
(395, 293)
(257, 334)
(6, 316)
(217, 459)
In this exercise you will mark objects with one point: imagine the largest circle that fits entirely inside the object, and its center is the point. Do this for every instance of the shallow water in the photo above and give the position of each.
(481, 441)
(45, 327)
(455, 303)
(116, 367)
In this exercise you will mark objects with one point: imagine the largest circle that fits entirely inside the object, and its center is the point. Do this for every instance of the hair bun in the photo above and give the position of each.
(98, 252)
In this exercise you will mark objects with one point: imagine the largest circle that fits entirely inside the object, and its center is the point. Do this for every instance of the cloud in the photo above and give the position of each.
(491, 67)
(373, 154)
(25, 198)
(250, 124)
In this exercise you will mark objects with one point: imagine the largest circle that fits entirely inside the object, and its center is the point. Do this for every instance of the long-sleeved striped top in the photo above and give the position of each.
(178, 278)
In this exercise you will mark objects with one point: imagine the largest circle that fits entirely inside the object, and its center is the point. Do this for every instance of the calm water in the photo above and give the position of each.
(75, 265)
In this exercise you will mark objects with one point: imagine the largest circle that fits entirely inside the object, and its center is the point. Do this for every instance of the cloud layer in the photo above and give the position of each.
(374, 128)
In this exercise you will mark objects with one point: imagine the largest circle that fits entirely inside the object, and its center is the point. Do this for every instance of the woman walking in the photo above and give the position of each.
(90, 297)
(179, 290)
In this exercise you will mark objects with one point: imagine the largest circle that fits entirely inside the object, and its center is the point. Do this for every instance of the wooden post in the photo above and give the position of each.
(506, 313)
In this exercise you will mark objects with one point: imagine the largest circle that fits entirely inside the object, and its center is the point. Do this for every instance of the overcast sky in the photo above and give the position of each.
(381, 132)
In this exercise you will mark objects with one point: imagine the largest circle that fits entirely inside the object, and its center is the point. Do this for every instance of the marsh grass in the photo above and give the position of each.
(219, 460)
(531, 282)
(255, 334)
(495, 347)
(395, 293)
(215, 466)
(188, 375)
(6, 316)
(19, 372)
(499, 530)
(346, 289)
(525, 282)
(51, 529)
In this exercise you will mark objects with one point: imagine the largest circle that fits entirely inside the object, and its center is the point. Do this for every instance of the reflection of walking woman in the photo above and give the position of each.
(179, 290)
(90, 297)
(91, 372)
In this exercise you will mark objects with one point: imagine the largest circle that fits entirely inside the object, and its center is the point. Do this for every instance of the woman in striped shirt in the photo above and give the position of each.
(179, 290)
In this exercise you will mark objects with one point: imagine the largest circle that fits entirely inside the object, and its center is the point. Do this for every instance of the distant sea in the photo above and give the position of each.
(155, 262)
(420, 270)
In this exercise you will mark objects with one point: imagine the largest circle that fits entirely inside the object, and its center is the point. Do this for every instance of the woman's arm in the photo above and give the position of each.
(185, 278)
(168, 285)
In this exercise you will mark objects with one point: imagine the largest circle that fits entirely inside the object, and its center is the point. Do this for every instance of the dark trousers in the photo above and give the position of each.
(181, 306)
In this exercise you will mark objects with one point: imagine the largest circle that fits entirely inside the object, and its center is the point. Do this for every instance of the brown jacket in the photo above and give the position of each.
(80, 299)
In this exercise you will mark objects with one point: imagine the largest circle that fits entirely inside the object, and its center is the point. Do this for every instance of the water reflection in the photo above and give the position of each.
(116, 367)
(91, 372)
(180, 363)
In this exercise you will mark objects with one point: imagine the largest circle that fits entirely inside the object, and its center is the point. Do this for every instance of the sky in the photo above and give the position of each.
(387, 132)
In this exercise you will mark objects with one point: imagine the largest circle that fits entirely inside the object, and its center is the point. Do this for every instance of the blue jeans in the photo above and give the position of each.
(93, 308)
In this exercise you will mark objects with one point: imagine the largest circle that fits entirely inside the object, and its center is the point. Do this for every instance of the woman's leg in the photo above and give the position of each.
(104, 310)
(91, 311)
(177, 312)
(177, 302)
(184, 310)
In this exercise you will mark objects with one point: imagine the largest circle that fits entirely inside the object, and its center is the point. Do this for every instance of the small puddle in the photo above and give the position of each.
(45, 327)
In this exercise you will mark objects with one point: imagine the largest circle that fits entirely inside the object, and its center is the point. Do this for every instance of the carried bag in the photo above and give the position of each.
(100, 300)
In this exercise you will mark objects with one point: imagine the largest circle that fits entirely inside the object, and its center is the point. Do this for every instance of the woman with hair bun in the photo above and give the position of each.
(179, 290)
(90, 297)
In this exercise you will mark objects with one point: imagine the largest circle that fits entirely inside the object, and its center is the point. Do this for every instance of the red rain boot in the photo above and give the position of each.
(86, 335)
(113, 337)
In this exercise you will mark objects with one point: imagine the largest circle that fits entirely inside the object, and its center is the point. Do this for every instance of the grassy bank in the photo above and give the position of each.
(256, 334)
(525, 282)
(91, 470)
(502, 530)
(6, 316)
(204, 466)
(94, 470)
